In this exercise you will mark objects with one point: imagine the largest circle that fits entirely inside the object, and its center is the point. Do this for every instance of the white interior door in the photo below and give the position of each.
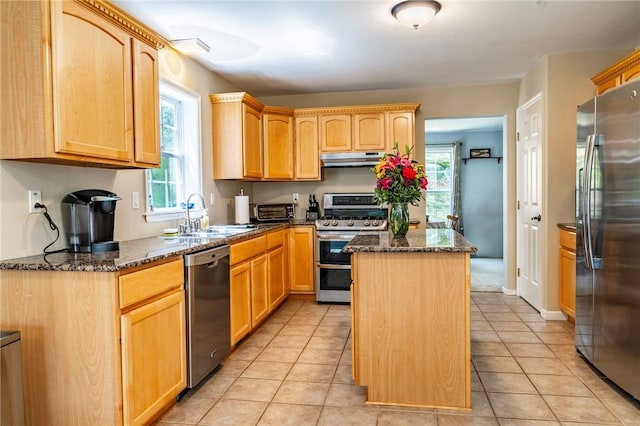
(529, 192)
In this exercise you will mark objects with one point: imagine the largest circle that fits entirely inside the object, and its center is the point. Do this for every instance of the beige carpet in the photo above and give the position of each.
(486, 274)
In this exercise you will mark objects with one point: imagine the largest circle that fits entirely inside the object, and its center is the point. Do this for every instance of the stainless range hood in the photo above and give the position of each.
(350, 159)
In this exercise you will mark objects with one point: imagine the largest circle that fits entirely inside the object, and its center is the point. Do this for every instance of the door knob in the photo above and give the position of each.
(538, 218)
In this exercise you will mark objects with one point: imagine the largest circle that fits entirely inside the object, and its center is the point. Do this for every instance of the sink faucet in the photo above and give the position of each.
(190, 224)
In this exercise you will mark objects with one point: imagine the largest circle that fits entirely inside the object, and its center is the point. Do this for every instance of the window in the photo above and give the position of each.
(180, 173)
(439, 161)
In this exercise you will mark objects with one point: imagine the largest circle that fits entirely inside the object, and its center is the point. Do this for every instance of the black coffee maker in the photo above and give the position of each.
(88, 219)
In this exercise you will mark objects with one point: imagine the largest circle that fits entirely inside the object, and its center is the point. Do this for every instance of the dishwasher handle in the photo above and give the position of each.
(207, 256)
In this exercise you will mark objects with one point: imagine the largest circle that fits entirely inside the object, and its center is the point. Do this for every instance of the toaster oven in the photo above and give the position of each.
(272, 212)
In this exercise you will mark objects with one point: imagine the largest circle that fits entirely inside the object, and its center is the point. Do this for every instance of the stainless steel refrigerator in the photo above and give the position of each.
(608, 235)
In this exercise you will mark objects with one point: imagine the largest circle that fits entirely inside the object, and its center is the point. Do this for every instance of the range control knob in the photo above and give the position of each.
(334, 223)
(325, 222)
(366, 222)
(350, 222)
(375, 222)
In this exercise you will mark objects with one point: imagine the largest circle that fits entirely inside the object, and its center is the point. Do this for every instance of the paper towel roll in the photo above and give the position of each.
(242, 209)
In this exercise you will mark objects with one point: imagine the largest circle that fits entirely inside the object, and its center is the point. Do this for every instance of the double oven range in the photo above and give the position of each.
(344, 215)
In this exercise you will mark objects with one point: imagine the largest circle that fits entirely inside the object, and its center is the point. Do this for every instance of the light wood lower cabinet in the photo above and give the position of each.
(301, 259)
(259, 290)
(567, 268)
(258, 281)
(240, 276)
(98, 347)
(153, 357)
(277, 267)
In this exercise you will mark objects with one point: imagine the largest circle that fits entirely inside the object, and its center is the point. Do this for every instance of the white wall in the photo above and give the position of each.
(565, 82)
(22, 234)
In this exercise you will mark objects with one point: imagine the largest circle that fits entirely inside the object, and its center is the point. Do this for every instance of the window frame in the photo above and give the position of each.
(439, 148)
(190, 153)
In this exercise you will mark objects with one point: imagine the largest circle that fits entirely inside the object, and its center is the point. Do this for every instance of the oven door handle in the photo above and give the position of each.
(334, 237)
(325, 266)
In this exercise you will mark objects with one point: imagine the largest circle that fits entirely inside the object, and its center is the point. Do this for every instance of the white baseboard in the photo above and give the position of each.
(553, 315)
(509, 291)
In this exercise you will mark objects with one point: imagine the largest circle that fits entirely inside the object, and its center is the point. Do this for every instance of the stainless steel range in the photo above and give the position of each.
(345, 214)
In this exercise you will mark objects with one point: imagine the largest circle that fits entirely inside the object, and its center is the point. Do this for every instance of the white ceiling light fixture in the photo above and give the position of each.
(190, 46)
(415, 13)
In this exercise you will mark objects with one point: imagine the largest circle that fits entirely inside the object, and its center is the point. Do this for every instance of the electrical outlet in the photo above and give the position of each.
(295, 198)
(212, 198)
(35, 197)
(135, 200)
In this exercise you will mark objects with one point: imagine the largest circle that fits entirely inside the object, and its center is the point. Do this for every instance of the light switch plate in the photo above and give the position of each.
(135, 200)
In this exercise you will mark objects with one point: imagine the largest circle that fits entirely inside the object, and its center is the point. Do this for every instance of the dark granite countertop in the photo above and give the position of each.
(571, 227)
(418, 240)
(131, 254)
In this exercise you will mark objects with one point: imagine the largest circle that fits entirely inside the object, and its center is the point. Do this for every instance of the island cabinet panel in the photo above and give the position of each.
(91, 96)
(307, 148)
(411, 332)
(369, 132)
(278, 144)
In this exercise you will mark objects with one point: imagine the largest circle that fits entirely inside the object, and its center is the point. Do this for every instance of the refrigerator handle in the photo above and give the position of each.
(586, 203)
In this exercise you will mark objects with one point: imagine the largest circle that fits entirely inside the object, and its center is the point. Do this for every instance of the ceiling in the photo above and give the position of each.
(269, 47)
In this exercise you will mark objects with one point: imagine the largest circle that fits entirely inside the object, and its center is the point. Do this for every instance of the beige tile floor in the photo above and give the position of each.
(295, 370)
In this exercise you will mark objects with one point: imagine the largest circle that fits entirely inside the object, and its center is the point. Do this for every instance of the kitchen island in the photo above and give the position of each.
(410, 318)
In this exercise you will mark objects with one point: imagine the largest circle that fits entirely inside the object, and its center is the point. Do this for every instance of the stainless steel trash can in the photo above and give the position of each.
(11, 396)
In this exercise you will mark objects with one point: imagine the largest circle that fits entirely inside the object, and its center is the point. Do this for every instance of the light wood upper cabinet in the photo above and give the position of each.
(627, 69)
(252, 141)
(237, 136)
(400, 130)
(335, 132)
(369, 132)
(146, 91)
(277, 124)
(89, 66)
(307, 147)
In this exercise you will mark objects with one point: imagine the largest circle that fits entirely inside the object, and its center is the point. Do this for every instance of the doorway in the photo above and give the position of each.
(470, 187)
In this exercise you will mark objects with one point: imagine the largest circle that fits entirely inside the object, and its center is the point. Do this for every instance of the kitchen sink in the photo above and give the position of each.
(215, 231)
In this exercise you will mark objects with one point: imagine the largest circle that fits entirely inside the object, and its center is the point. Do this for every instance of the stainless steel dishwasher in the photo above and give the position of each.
(208, 320)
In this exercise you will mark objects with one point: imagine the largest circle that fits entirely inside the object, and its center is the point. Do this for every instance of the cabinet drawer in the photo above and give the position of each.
(247, 249)
(275, 239)
(568, 239)
(146, 283)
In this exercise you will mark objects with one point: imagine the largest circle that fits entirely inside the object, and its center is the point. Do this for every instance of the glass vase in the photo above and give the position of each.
(399, 218)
